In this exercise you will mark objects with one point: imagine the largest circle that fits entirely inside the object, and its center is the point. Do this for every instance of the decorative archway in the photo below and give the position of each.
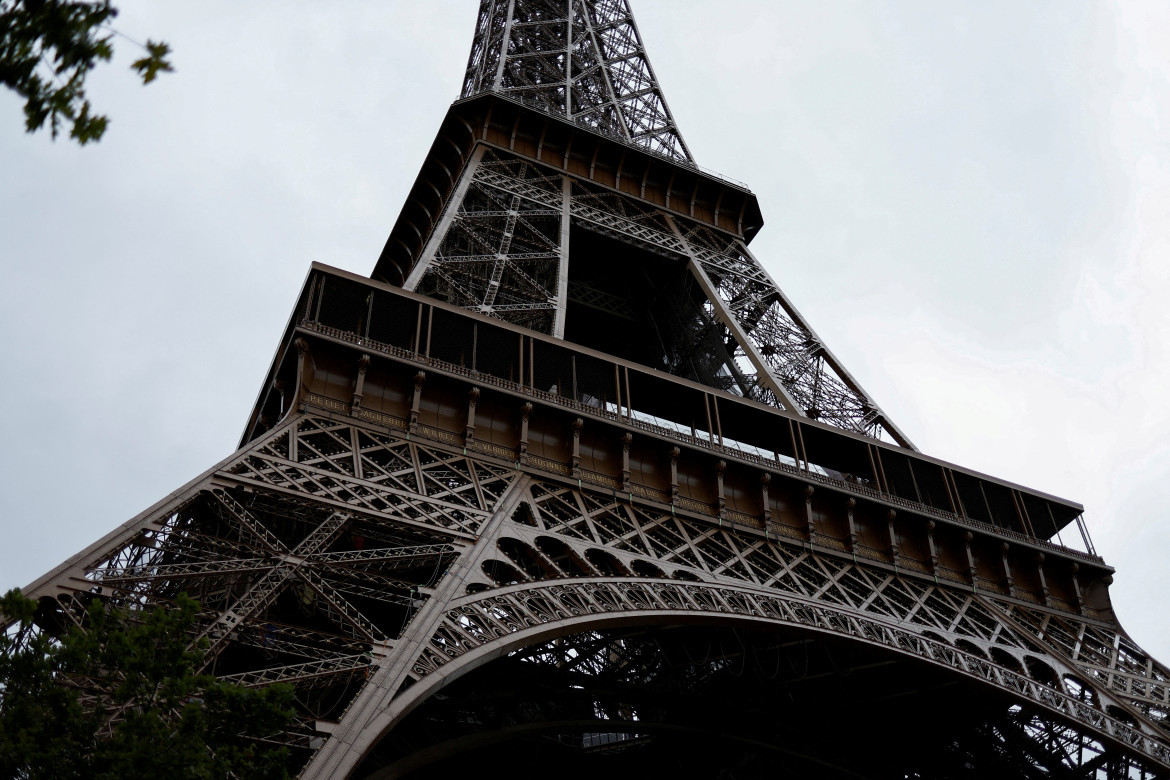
(480, 628)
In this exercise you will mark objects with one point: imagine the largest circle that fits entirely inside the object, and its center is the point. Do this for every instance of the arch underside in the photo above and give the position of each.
(354, 564)
(702, 699)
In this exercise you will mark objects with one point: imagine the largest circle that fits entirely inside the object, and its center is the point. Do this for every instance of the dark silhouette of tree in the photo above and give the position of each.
(48, 47)
(121, 699)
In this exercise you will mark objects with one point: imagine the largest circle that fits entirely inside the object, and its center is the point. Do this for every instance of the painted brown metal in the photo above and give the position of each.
(486, 487)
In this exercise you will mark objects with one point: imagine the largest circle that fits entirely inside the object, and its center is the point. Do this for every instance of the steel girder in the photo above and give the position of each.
(557, 559)
(371, 561)
(368, 566)
(308, 551)
(502, 249)
(700, 701)
(582, 59)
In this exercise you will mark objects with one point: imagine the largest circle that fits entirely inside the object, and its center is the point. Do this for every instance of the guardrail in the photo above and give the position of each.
(628, 420)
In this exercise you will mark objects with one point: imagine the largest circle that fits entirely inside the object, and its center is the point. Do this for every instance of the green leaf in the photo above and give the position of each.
(49, 47)
(150, 66)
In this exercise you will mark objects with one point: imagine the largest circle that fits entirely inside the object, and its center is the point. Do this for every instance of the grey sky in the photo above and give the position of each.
(968, 200)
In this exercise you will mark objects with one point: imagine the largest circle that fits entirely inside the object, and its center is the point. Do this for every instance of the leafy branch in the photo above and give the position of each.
(123, 698)
(49, 47)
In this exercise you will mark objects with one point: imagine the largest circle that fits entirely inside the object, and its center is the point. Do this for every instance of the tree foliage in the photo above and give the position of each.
(122, 700)
(48, 47)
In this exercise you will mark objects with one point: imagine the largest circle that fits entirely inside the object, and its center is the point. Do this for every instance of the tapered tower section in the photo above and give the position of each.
(569, 485)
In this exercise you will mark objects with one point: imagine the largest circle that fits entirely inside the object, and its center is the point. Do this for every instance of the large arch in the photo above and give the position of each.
(481, 628)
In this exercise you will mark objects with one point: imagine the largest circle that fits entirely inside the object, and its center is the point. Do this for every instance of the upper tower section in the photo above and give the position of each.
(582, 60)
(560, 197)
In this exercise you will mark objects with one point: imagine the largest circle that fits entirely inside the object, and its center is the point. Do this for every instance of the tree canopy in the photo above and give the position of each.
(122, 699)
(48, 47)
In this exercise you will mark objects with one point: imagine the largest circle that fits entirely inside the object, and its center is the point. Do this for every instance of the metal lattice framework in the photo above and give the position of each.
(503, 250)
(356, 562)
(432, 498)
(583, 60)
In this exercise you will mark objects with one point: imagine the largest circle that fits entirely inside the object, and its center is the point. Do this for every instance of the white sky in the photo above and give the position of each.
(970, 201)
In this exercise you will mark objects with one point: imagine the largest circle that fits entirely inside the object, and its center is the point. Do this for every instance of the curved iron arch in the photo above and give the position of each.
(482, 627)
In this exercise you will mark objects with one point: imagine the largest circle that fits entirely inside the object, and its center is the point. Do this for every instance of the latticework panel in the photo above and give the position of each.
(581, 59)
(705, 697)
(309, 553)
(501, 254)
(355, 562)
(1074, 666)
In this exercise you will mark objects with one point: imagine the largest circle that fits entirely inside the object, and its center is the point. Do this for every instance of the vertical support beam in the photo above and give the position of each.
(575, 459)
(1043, 579)
(895, 549)
(1005, 548)
(439, 232)
(469, 429)
(525, 412)
(563, 265)
(810, 523)
(475, 349)
(765, 481)
(914, 481)
(302, 356)
(369, 314)
(419, 378)
(627, 438)
(850, 503)
(930, 545)
(359, 384)
(674, 453)
(967, 539)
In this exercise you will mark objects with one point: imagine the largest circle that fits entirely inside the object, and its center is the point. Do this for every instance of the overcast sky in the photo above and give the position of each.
(968, 200)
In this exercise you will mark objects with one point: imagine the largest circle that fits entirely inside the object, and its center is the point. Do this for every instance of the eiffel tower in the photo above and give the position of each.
(569, 482)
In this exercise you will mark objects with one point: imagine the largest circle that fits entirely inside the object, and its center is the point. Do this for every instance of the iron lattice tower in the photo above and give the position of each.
(570, 480)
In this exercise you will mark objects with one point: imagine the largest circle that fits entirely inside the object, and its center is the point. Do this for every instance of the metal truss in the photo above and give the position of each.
(502, 252)
(650, 693)
(502, 249)
(557, 558)
(639, 542)
(979, 622)
(372, 561)
(581, 59)
(359, 563)
(309, 552)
